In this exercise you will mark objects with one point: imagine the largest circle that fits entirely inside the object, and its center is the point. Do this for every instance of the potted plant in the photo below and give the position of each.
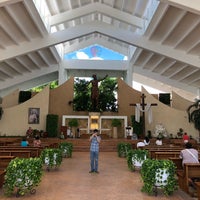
(158, 173)
(22, 175)
(73, 123)
(115, 124)
(66, 148)
(51, 157)
(136, 157)
(123, 148)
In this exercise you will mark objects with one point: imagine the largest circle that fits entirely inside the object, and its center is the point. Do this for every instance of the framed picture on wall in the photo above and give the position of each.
(34, 115)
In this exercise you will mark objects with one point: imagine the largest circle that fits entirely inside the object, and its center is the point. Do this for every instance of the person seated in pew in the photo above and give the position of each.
(159, 141)
(24, 142)
(37, 141)
(29, 132)
(189, 154)
(185, 138)
(140, 144)
(146, 141)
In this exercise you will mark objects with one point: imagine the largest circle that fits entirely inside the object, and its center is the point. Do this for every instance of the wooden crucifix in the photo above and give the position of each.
(143, 104)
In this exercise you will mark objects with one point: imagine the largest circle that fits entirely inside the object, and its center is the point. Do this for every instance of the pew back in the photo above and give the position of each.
(190, 171)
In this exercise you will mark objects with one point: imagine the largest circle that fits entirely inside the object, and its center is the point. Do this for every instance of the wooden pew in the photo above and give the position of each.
(190, 171)
(178, 163)
(35, 151)
(2, 174)
(16, 153)
(197, 186)
(4, 161)
(166, 155)
(153, 151)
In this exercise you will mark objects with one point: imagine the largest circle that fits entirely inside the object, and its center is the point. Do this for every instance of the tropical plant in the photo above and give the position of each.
(136, 155)
(116, 122)
(51, 157)
(52, 125)
(107, 95)
(123, 148)
(194, 115)
(81, 101)
(23, 174)
(66, 148)
(152, 172)
(73, 122)
(137, 126)
(1, 112)
(52, 85)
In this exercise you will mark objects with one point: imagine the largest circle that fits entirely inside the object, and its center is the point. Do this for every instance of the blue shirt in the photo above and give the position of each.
(94, 145)
(24, 143)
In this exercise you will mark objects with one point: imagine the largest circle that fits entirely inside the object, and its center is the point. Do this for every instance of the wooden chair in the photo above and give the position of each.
(189, 173)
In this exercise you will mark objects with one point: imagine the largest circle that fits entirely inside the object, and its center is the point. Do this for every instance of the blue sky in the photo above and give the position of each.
(95, 52)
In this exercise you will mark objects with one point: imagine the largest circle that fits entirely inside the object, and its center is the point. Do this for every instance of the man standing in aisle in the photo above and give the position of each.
(95, 139)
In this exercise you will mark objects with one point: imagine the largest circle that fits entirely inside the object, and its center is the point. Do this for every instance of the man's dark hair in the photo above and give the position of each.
(95, 131)
(188, 145)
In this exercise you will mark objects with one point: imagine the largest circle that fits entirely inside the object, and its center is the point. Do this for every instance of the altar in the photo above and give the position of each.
(94, 120)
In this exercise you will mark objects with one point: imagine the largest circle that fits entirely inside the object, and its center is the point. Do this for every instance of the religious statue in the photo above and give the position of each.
(95, 91)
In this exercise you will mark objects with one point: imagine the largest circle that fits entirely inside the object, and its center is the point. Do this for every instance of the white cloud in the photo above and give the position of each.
(82, 55)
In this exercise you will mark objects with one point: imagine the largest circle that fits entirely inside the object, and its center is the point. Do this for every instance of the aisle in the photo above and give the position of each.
(74, 182)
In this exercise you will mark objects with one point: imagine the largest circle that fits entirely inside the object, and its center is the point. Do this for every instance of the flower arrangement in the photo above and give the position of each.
(123, 148)
(160, 131)
(66, 148)
(135, 156)
(22, 174)
(51, 157)
(152, 172)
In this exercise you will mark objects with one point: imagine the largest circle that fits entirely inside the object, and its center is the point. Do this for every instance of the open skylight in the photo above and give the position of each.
(95, 52)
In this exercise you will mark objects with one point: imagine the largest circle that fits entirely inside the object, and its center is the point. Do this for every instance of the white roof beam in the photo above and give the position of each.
(30, 56)
(167, 67)
(8, 2)
(174, 24)
(30, 6)
(11, 12)
(162, 79)
(179, 70)
(99, 8)
(187, 75)
(158, 62)
(147, 59)
(21, 61)
(44, 58)
(28, 76)
(55, 53)
(193, 81)
(10, 64)
(135, 56)
(189, 5)
(104, 29)
(10, 34)
(5, 73)
(119, 65)
(189, 50)
(153, 24)
(25, 85)
(89, 72)
(100, 41)
(187, 32)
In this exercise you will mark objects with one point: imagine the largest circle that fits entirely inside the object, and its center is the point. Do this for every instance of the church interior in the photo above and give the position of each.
(151, 42)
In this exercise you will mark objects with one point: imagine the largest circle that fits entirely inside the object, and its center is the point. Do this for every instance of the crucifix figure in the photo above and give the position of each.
(143, 105)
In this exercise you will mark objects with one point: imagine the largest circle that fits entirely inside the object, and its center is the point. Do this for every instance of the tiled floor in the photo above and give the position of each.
(73, 181)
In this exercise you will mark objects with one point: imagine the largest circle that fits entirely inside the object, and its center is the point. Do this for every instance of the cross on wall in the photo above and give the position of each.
(143, 104)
